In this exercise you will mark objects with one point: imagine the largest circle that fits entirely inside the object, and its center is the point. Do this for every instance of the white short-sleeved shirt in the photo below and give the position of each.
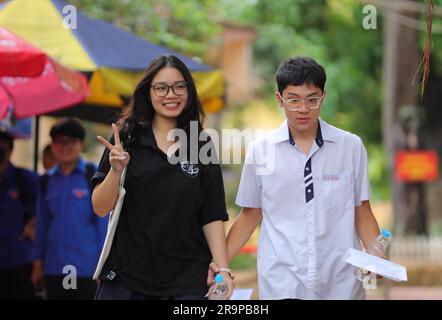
(308, 205)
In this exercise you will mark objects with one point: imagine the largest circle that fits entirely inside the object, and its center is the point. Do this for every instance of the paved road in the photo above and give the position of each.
(248, 279)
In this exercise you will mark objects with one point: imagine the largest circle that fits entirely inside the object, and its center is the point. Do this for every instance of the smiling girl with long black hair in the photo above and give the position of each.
(171, 223)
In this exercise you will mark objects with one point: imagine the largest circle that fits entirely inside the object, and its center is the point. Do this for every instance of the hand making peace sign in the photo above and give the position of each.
(118, 158)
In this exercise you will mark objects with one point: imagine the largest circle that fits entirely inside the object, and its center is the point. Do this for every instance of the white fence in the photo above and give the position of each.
(427, 250)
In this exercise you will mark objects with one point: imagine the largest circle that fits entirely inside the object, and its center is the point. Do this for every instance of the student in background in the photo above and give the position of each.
(48, 158)
(18, 192)
(69, 235)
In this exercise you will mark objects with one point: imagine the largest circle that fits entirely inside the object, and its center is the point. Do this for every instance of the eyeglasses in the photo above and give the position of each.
(179, 88)
(294, 104)
(65, 142)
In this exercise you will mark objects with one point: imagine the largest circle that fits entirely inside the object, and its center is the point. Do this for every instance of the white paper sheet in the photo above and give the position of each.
(241, 294)
(376, 265)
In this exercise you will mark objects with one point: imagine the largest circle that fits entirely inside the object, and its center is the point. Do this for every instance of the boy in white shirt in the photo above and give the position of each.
(308, 182)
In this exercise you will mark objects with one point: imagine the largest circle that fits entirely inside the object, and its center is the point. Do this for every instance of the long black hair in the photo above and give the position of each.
(140, 108)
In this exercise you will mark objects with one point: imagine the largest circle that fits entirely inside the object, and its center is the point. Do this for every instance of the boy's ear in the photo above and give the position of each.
(278, 98)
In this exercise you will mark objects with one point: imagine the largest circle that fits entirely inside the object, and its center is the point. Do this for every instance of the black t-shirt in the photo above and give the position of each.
(159, 247)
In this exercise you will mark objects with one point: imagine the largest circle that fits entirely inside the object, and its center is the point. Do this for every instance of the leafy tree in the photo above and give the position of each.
(187, 26)
(330, 31)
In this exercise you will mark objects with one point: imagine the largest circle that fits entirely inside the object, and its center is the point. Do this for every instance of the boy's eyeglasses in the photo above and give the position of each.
(179, 88)
(65, 142)
(295, 104)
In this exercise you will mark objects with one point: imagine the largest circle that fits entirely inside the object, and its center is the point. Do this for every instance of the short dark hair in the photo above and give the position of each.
(68, 127)
(8, 138)
(298, 71)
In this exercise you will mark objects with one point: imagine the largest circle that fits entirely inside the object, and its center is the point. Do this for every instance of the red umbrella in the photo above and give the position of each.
(18, 58)
(29, 92)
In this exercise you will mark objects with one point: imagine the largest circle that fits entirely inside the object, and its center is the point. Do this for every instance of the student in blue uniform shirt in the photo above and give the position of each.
(47, 158)
(69, 235)
(18, 189)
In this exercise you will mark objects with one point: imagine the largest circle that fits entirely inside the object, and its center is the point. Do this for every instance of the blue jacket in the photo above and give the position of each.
(68, 232)
(14, 252)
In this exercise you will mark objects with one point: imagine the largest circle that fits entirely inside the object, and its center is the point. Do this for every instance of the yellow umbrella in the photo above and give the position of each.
(114, 58)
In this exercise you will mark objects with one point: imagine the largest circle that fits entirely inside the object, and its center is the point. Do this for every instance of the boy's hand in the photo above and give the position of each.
(378, 277)
(381, 255)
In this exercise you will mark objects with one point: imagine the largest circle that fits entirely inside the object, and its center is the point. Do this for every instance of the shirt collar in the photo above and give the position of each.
(145, 134)
(80, 166)
(324, 133)
(329, 133)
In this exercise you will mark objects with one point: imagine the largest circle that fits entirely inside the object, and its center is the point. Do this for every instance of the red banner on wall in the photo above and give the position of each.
(417, 166)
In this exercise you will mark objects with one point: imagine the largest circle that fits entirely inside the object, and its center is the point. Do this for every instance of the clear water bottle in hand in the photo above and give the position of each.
(219, 290)
(380, 245)
(378, 248)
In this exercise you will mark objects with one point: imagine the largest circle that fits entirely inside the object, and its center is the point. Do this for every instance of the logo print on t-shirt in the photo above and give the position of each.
(80, 193)
(330, 177)
(189, 168)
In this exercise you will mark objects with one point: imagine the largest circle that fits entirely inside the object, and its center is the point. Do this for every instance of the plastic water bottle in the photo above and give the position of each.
(219, 290)
(380, 245)
(378, 248)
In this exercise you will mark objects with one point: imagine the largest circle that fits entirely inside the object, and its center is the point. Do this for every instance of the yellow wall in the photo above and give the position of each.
(234, 56)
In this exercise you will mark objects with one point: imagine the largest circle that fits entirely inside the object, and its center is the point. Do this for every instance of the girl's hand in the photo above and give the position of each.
(118, 158)
(229, 280)
(213, 270)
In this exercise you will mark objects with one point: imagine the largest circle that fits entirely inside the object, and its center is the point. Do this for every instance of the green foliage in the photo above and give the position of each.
(243, 262)
(331, 32)
(186, 26)
(436, 227)
(378, 173)
(436, 44)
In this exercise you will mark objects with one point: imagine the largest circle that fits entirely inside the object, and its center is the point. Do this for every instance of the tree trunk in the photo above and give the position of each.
(431, 131)
(401, 58)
